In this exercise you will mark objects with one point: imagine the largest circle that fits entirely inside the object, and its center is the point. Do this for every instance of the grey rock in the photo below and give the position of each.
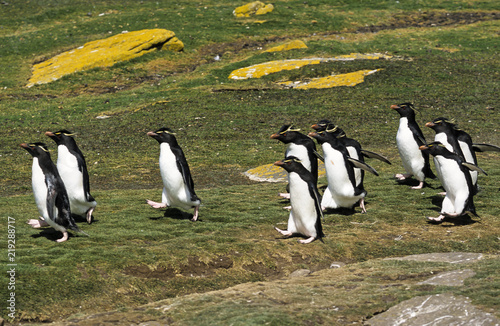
(436, 310)
(444, 257)
(300, 273)
(453, 278)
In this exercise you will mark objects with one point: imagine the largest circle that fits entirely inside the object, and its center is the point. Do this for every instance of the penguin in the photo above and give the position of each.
(305, 215)
(339, 166)
(300, 146)
(408, 139)
(178, 186)
(459, 142)
(454, 175)
(73, 170)
(352, 145)
(50, 193)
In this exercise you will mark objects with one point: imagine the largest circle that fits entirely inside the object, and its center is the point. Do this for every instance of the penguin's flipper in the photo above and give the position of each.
(361, 165)
(375, 155)
(485, 148)
(473, 167)
(183, 167)
(318, 155)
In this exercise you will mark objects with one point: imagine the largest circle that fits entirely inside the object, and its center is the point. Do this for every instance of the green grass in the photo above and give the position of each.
(134, 254)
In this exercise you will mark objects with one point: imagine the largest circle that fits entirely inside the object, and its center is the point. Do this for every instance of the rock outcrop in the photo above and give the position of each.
(253, 8)
(104, 53)
(296, 44)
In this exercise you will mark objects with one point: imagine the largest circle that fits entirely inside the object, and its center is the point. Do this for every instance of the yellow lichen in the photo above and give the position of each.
(253, 8)
(349, 79)
(104, 53)
(273, 173)
(266, 68)
(296, 44)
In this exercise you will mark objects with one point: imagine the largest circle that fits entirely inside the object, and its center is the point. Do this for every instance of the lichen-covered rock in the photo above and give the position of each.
(296, 44)
(104, 53)
(266, 68)
(273, 173)
(349, 79)
(253, 8)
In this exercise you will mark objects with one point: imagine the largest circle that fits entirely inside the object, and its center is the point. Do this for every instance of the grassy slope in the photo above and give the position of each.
(134, 255)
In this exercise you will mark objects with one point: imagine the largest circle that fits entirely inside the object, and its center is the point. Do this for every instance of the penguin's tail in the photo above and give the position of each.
(77, 230)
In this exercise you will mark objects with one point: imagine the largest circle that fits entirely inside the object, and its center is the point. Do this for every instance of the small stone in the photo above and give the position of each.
(337, 264)
(297, 44)
(253, 8)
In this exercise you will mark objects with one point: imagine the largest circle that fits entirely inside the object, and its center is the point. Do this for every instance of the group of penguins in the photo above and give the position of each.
(63, 190)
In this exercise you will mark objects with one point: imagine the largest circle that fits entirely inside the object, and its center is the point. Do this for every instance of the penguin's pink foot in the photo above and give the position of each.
(195, 214)
(308, 240)
(442, 193)
(285, 195)
(287, 208)
(362, 205)
(284, 232)
(420, 185)
(89, 215)
(440, 218)
(64, 238)
(400, 176)
(155, 204)
(37, 223)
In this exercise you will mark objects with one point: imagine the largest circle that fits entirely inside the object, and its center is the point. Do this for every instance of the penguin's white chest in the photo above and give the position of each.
(39, 188)
(408, 148)
(336, 172)
(303, 215)
(454, 183)
(299, 152)
(67, 165)
(175, 190)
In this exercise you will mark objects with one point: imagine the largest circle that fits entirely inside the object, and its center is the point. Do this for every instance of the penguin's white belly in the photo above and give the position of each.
(454, 183)
(299, 152)
(72, 177)
(339, 184)
(303, 215)
(408, 148)
(39, 189)
(40, 193)
(175, 191)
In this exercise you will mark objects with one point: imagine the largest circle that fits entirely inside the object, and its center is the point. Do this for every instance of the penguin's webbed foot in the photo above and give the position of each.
(37, 223)
(287, 208)
(420, 185)
(284, 232)
(195, 214)
(401, 176)
(438, 219)
(64, 238)
(362, 205)
(285, 195)
(155, 204)
(308, 240)
(89, 215)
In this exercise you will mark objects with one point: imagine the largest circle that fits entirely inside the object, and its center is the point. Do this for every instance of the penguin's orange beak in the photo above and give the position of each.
(394, 107)
(49, 133)
(275, 136)
(24, 145)
(423, 147)
(152, 134)
(315, 126)
(278, 163)
(312, 134)
(430, 124)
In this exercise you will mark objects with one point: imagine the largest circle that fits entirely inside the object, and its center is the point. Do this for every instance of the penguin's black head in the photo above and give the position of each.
(322, 137)
(163, 135)
(322, 125)
(61, 136)
(441, 125)
(36, 149)
(286, 134)
(434, 148)
(290, 163)
(404, 109)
